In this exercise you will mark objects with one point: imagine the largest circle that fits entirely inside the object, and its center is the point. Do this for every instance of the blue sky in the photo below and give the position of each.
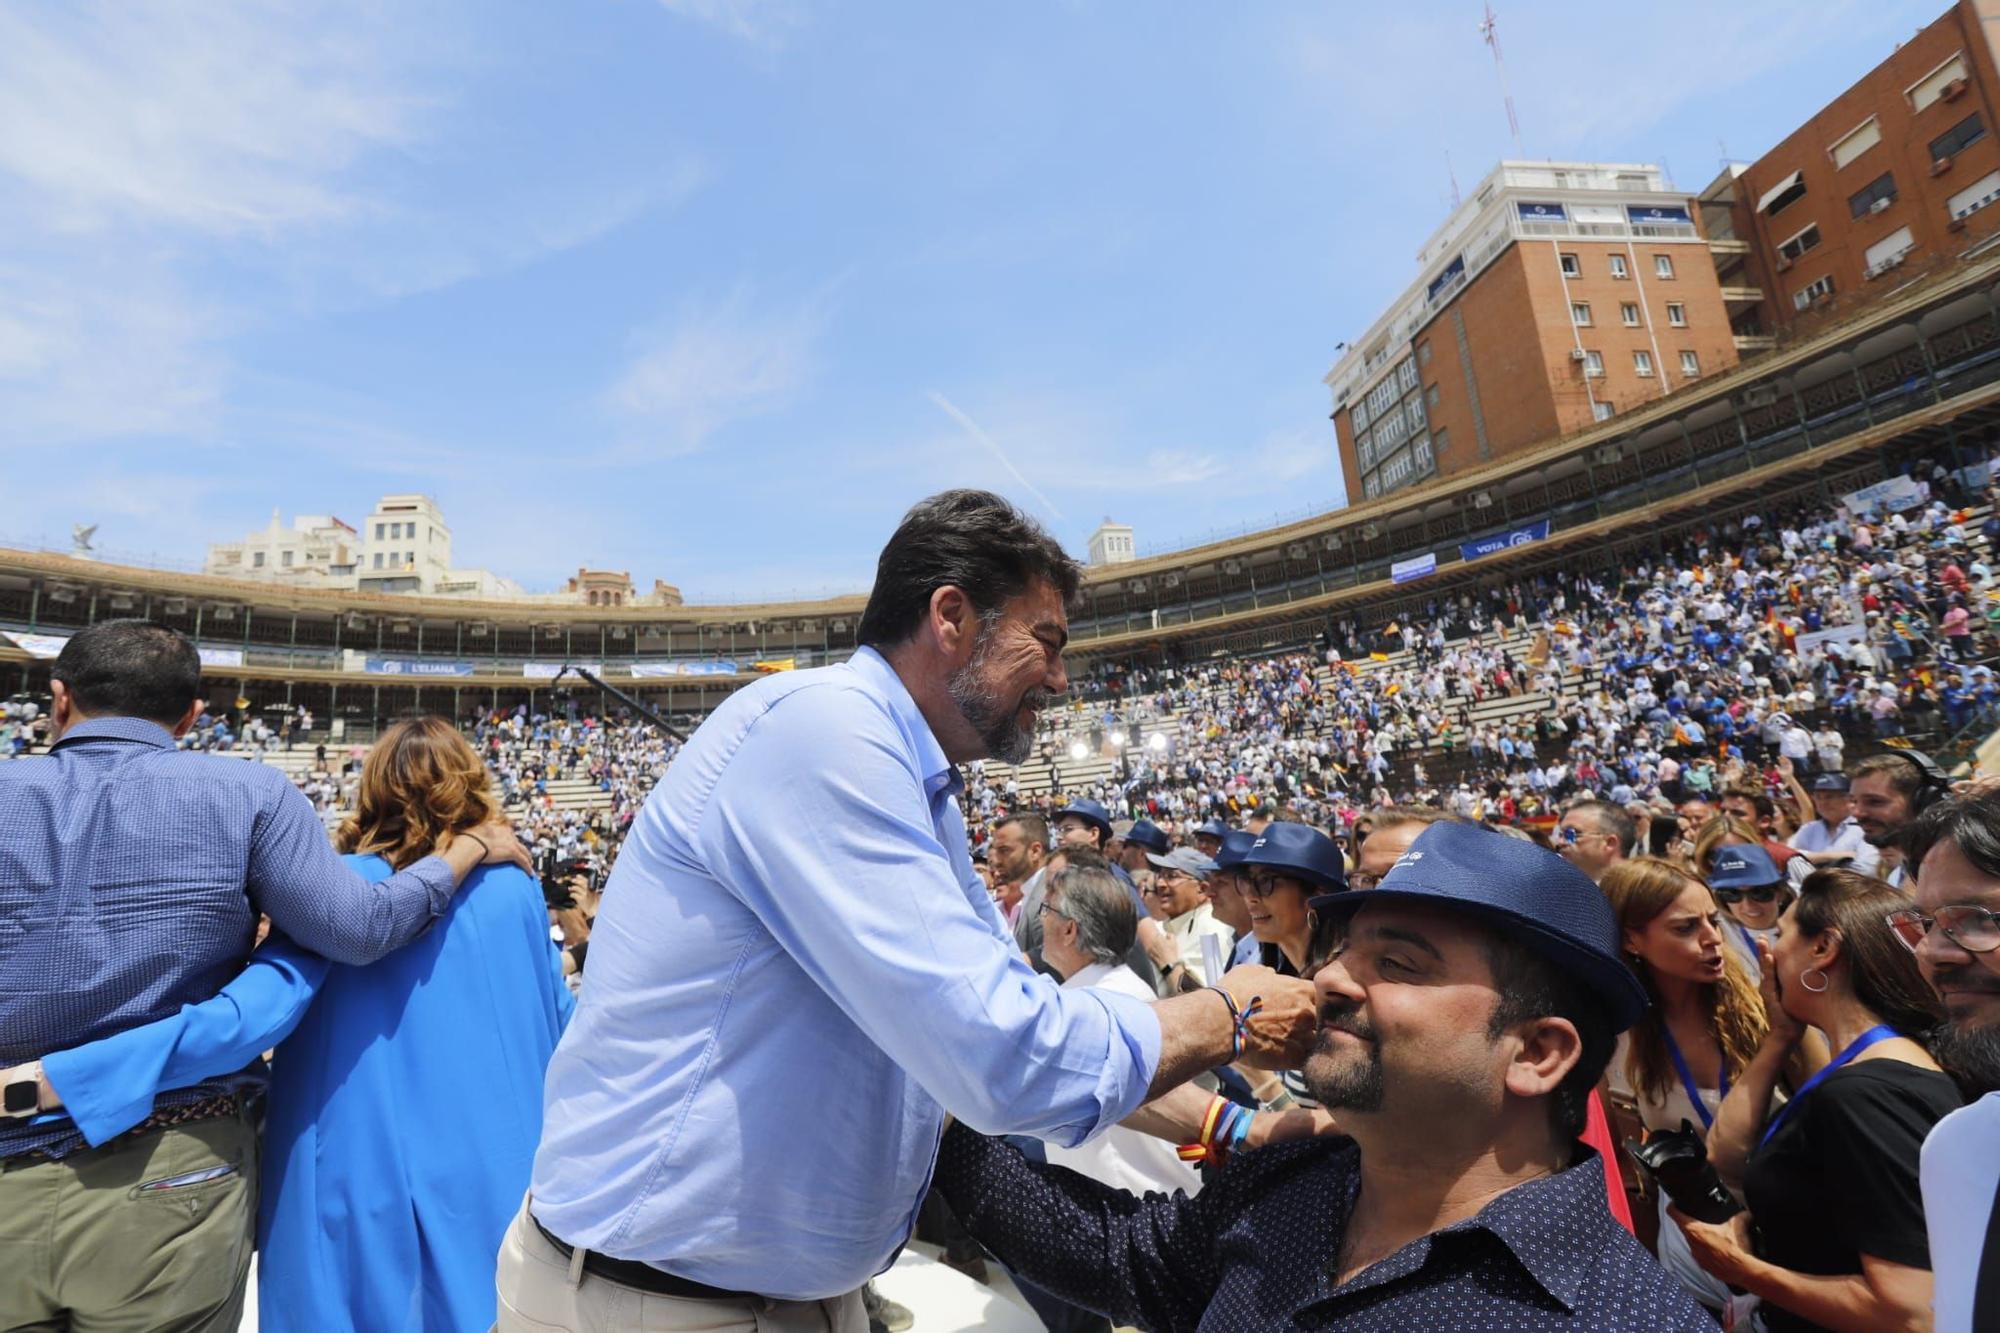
(712, 290)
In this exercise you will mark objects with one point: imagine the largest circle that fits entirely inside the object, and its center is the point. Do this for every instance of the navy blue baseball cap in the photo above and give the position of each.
(1830, 782)
(1525, 892)
(1297, 850)
(1088, 811)
(1147, 834)
(1741, 866)
(1213, 828)
(1235, 844)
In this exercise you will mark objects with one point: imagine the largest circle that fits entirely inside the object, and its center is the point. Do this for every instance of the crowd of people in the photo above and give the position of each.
(1659, 1011)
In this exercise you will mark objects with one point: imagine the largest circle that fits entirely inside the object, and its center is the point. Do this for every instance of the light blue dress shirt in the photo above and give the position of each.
(794, 975)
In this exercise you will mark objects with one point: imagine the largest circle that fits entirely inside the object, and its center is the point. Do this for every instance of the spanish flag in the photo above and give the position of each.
(777, 664)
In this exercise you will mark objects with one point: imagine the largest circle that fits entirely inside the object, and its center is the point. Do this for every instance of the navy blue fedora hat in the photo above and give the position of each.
(1212, 828)
(1526, 893)
(1147, 834)
(1740, 866)
(1090, 812)
(1234, 844)
(1297, 850)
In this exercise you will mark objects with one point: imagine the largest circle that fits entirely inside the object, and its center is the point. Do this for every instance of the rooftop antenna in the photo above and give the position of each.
(1454, 177)
(1489, 32)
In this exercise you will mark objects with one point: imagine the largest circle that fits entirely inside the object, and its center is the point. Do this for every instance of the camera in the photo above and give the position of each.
(1677, 1161)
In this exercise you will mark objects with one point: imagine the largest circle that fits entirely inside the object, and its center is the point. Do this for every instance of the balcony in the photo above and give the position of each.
(1727, 246)
(1750, 343)
(1742, 295)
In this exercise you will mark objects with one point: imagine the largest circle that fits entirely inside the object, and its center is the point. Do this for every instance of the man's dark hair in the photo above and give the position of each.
(1530, 987)
(1760, 799)
(1905, 778)
(1033, 827)
(1611, 818)
(1083, 858)
(970, 540)
(1970, 823)
(130, 668)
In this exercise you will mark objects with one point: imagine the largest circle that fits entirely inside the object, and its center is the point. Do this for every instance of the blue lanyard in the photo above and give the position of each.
(1880, 1032)
(1687, 1077)
(1749, 940)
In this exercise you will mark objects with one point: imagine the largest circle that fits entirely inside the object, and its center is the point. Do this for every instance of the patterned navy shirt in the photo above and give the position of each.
(131, 876)
(1254, 1251)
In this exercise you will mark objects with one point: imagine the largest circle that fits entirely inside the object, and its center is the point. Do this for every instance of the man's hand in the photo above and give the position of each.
(502, 845)
(1280, 1034)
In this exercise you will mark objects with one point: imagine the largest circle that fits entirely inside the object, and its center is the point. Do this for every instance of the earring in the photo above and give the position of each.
(1312, 921)
(1816, 990)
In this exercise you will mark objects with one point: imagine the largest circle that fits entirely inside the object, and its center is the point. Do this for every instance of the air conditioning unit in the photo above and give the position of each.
(1881, 205)
(477, 629)
(222, 613)
(1952, 91)
(1578, 354)
(1956, 224)
(1940, 166)
(1784, 263)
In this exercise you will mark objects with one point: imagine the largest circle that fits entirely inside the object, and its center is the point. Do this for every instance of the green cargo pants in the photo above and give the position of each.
(151, 1232)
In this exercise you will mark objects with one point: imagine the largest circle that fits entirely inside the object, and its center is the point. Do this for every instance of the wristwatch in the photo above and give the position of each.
(21, 1091)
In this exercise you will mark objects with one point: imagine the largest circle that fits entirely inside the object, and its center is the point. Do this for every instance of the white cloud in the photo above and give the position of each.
(716, 364)
(759, 22)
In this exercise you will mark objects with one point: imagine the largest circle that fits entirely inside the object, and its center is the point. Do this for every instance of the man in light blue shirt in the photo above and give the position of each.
(796, 973)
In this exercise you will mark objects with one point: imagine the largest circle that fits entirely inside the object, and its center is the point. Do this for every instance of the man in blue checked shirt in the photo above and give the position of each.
(796, 974)
(131, 878)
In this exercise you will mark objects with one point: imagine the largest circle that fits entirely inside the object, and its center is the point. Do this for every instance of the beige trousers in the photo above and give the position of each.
(541, 1291)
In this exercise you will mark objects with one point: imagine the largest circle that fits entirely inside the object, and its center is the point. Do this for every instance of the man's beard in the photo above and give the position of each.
(985, 711)
(1336, 1081)
(1887, 838)
(1971, 1055)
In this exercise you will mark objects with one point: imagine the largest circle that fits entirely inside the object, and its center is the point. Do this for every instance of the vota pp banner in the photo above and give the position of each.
(1501, 541)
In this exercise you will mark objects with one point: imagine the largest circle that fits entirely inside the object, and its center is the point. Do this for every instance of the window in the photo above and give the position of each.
(380, 530)
(1579, 313)
(1690, 365)
(1424, 352)
(1593, 363)
(1677, 314)
(1783, 195)
(1856, 143)
(1931, 87)
(1958, 138)
(1812, 291)
(257, 560)
(1975, 196)
(1663, 266)
(1571, 269)
(1799, 244)
(1618, 269)
(1431, 394)
(378, 558)
(284, 557)
(1600, 411)
(1873, 197)
(1888, 252)
(1642, 363)
(1440, 441)
(1629, 314)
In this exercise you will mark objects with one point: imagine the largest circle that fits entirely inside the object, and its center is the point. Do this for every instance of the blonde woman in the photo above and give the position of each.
(405, 1098)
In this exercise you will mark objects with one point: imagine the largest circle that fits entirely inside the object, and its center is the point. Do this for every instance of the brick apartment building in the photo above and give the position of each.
(1891, 179)
(1559, 294)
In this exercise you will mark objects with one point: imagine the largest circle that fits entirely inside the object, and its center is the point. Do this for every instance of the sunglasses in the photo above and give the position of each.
(1765, 894)
(1973, 929)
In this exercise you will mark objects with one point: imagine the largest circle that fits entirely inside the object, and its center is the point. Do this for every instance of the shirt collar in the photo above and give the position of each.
(1551, 1225)
(134, 729)
(939, 774)
(1088, 976)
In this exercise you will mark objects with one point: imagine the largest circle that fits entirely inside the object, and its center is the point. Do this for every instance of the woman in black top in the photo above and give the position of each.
(1834, 1238)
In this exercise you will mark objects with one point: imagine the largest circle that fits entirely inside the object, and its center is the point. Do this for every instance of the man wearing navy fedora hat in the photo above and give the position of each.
(1472, 1006)
(1143, 839)
(1085, 823)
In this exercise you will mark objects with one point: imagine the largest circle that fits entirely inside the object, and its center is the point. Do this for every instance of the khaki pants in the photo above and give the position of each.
(150, 1233)
(542, 1291)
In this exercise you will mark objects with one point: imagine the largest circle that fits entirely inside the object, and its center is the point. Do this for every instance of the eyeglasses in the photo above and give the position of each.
(1264, 884)
(1973, 929)
(1361, 879)
(1764, 894)
(1053, 910)
(1567, 834)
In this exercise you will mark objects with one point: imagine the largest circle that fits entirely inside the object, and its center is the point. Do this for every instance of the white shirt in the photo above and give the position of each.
(1186, 931)
(1960, 1170)
(1815, 836)
(1120, 1157)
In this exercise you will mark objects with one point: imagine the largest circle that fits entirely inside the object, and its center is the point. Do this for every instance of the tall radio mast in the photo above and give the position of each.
(1490, 33)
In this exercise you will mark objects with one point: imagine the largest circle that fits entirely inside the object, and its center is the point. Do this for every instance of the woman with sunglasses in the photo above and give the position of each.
(1834, 1237)
(1279, 874)
(1752, 891)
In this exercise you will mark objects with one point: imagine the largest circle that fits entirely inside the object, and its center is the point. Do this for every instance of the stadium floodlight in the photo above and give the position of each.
(1331, 541)
(222, 613)
(1157, 741)
(1078, 750)
(1118, 738)
(1483, 500)
(1370, 531)
(176, 606)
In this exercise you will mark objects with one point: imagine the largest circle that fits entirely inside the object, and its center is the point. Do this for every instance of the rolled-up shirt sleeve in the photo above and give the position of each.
(310, 893)
(824, 828)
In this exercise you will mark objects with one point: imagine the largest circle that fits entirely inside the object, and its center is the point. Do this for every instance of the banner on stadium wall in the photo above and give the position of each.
(411, 666)
(646, 670)
(221, 657)
(49, 645)
(1414, 568)
(1897, 493)
(547, 670)
(1501, 541)
(1838, 634)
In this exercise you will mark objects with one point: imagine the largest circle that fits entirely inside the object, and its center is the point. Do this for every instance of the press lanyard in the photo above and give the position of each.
(1880, 1032)
(1687, 1078)
(1749, 940)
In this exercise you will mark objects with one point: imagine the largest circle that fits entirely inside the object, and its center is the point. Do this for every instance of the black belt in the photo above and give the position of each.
(645, 1277)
